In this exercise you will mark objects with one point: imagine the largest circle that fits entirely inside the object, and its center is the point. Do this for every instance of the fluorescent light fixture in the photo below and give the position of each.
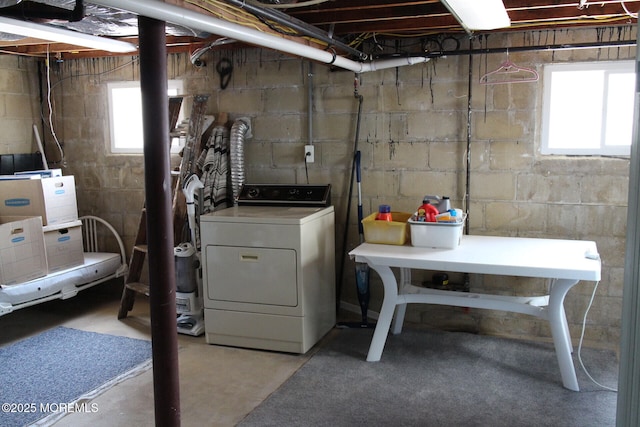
(54, 34)
(479, 14)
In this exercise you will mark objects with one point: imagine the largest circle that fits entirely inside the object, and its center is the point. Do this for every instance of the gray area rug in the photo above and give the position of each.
(431, 378)
(41, 375)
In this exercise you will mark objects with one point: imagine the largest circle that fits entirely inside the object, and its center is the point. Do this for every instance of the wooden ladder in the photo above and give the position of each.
(133, 283)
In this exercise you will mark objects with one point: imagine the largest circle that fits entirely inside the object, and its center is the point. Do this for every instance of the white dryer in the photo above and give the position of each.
(269, 275)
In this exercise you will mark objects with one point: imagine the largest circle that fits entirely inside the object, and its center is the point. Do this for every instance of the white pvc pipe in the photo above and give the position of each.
(188, 18)
(45, 164)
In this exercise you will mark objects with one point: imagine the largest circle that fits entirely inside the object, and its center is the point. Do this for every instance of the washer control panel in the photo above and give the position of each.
(285, 195)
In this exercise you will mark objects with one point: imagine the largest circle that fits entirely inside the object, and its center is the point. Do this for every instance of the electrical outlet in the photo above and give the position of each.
(309, 153)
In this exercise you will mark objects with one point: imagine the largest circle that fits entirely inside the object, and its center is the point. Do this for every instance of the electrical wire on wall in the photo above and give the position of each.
(309, 118)
(49, 104)
(584, 326)
(48, 121)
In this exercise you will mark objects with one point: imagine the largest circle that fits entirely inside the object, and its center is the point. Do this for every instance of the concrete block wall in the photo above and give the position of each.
(19, 104)
(413, 139)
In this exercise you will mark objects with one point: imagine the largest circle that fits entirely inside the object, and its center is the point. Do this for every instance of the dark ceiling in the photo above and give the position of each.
(350, 21)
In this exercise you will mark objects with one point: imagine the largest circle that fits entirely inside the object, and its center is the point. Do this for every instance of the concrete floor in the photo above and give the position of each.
(219, 385)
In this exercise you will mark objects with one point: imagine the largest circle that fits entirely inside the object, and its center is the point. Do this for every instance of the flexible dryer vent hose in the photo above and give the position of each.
(240, 130)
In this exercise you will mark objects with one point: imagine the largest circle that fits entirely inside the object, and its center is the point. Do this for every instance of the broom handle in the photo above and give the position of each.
(360, 215)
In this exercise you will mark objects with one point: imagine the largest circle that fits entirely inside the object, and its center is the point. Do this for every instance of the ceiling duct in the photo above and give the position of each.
(82, 17)
(42, 12)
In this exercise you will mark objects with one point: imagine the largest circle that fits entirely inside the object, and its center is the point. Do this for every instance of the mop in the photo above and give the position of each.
(362, 269)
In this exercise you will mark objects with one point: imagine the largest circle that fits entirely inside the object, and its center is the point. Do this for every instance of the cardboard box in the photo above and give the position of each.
(45, 173)
(18, 177)
(54, 199)
(63, 245)
(22, 253)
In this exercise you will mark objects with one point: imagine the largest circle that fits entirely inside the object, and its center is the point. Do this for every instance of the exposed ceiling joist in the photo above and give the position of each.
(345, 20)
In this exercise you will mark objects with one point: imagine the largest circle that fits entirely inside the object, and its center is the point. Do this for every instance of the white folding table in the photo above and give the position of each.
(563, 262)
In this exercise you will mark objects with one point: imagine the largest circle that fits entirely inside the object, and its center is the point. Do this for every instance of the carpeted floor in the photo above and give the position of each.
(45, 375)
(430, 378)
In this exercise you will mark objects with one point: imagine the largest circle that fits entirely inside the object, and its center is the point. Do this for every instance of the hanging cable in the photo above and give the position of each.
(306, 169)
(49, 103)
(584, 323)
(48, 121)
(291, 5)
(309, 115)
(624, 6)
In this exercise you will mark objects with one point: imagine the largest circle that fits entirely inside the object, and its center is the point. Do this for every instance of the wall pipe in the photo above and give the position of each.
(310, 104)
(467, 192)
(188, 18)
(534, 48)
(157, 184)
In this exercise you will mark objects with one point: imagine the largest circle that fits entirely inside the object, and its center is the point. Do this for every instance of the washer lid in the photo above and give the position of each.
(267, 214)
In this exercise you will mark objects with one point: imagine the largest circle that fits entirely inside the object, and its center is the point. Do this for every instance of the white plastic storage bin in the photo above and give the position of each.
(442, 235)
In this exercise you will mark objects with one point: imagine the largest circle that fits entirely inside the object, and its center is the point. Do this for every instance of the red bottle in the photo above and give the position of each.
(384, 213)
(430, 211)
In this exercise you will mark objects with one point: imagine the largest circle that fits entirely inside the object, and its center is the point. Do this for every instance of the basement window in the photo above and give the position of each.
(125, 116)
(588, 108)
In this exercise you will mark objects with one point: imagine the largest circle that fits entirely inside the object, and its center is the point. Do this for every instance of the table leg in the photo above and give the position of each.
(401, 309)
(398, 319)
(386, 312)
(560, 332)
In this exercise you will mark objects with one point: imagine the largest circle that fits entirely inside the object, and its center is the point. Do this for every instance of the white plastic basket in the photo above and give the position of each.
(442, 235)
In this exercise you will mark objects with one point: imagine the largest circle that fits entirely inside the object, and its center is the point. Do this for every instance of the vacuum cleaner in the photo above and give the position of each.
(189, 302)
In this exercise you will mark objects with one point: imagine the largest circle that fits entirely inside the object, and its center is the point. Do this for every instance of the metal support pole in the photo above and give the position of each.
(155, 122)
(467, 186)
(628, 410)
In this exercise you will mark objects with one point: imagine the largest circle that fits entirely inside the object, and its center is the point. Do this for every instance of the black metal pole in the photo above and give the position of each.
(628, 412)
(340, 278)
(467, 191)
(157, 179)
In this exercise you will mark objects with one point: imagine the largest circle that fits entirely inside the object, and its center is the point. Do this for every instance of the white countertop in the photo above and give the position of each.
(512, 256)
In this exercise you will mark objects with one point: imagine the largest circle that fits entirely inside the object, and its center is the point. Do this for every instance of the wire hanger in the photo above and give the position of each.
(509, 73)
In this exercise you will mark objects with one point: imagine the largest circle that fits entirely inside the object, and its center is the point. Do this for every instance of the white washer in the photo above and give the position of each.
(269, 276)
